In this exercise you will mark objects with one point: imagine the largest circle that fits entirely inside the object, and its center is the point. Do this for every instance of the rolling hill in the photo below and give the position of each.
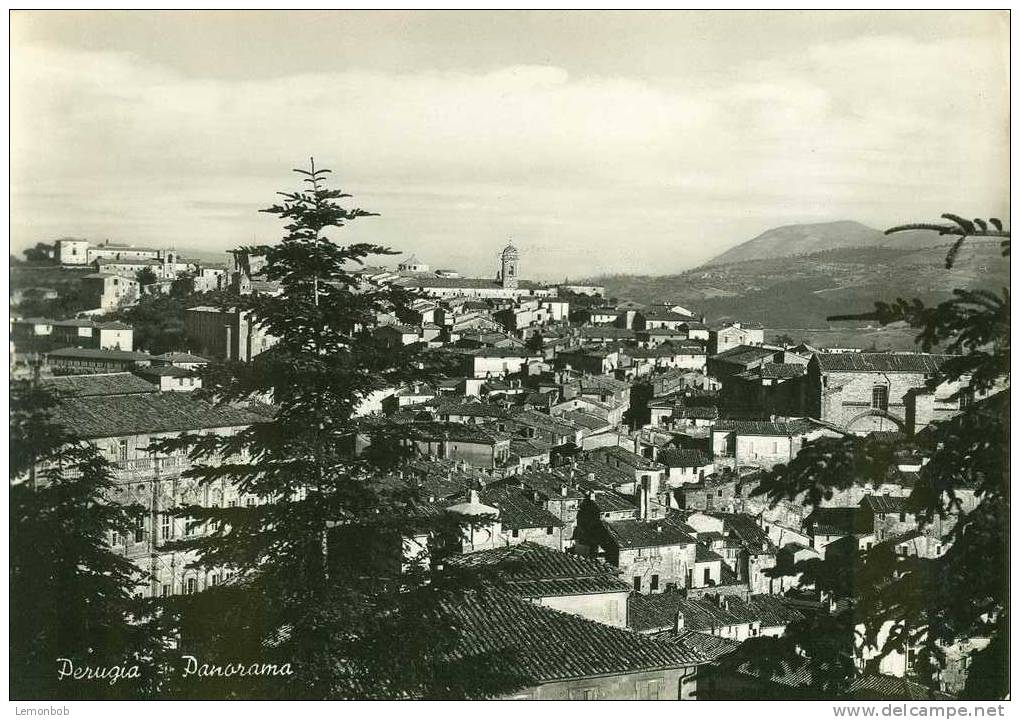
(802, 290)
(794, 240)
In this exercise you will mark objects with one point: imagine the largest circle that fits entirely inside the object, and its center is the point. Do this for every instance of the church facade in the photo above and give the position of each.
(507, 283)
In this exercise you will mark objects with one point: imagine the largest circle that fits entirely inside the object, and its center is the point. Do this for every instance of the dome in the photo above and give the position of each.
(510, 250)
(473, 507)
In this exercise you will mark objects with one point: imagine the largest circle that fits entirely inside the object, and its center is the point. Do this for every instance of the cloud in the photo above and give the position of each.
(595, 173)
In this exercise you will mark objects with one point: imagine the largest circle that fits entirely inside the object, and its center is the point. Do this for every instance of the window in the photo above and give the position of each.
(880, 398)
(637, 583)
(648, 689)
(139, 529)
(654, 585)
(214, 580)
(775, 447)
(166, 527)
(192, 586)
(708, 575)
(191, 527)
(515, 533)
(903, 517)
(164, 590)
(250, 502)
(549, 530)
(114, 538)
(122, 451)
(584, 694)
(232, 503)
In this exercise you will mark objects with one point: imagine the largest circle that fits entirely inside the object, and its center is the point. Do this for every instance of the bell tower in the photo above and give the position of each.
(509, 267)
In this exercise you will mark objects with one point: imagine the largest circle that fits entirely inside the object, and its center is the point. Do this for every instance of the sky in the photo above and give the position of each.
(600, 142)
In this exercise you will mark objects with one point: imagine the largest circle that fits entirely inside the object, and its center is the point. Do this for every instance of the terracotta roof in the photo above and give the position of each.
(648, 533)
(711, 646)
(659, 612)
(602, 382)
(703, 554)
(887, 687)
(696, 412)
(531, 570)
(744, 354)
(884, 503)
(180, 357)
(616, 454)
(881, 362)
(679, 458)
(761, 427)
(122, 383)
(546, 645)
(607, 502)
(93, 354)
(122, 415)
(745, 528)
(517, 511)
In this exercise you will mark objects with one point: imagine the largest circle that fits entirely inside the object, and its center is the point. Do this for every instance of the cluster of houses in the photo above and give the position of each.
(605, 454)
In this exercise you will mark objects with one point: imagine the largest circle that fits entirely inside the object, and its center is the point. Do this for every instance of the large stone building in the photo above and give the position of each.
(229, 334)
(863, 392)
(123, 426)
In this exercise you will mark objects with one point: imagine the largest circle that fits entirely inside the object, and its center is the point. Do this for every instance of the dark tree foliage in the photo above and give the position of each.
(928, 603)
(320, 583)
(71, 595)
(146, 276)
(42, 254)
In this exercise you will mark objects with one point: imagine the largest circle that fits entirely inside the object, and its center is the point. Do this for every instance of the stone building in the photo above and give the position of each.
(230, 334)
(865, 392)
(123, 427)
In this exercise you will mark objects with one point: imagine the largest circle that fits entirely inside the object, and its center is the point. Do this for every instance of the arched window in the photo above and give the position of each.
(880, 397)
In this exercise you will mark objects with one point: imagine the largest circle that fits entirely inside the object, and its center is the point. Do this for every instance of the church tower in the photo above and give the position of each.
(508, 267)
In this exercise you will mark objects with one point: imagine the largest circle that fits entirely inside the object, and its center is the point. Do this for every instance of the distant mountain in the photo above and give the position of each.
(793, 240)
(801, 291)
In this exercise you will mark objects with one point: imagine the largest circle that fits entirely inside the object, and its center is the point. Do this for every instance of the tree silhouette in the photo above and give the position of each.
(322, 583)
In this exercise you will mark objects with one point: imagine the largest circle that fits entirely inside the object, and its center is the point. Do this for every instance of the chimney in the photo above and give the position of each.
(679, 624)
(473, 496)
(643, 503)
(563, 490)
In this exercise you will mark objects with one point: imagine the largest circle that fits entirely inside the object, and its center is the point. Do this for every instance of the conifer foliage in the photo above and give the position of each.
(320, 583)
(71, 594)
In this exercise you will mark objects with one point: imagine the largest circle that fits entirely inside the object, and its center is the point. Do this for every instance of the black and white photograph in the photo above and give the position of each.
(490, 355)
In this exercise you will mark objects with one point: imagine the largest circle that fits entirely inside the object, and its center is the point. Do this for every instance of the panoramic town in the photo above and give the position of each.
(606, 454)
(510, 355)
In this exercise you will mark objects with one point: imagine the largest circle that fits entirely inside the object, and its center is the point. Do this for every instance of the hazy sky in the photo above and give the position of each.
(637, 142)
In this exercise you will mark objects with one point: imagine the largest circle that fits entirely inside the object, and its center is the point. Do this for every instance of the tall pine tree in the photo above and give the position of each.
(320, 583)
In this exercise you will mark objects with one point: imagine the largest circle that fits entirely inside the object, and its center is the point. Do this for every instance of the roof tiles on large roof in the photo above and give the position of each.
(145, 414)
(762, 427)
(881, 362)
(517, 511)
(545, 645)
(532, 570)
(648, 533)
(122, 383)
(659, 612)
(96, 354)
